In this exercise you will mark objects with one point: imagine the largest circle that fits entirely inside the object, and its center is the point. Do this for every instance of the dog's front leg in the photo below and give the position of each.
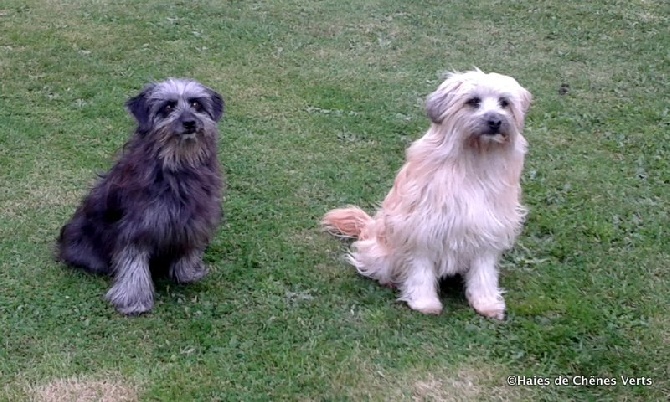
(419, 289)
(188, 268)
(481, 287)
(133, 290)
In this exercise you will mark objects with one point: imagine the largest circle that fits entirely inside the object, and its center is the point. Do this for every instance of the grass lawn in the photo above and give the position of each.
(323, 98)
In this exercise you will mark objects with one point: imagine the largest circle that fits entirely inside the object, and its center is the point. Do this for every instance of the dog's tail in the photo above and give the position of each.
(346, 222)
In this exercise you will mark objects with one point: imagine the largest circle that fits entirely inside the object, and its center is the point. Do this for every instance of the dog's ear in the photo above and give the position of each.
(138, 106)
(525, 99)
(218, 104)
(438, 101)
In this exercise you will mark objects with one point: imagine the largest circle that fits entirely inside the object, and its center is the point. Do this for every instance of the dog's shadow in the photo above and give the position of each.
(164, 285)
(452, 288)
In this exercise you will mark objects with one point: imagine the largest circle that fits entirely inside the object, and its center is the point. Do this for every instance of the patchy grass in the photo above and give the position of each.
(461, 382)
(323, 98)
(84, 390)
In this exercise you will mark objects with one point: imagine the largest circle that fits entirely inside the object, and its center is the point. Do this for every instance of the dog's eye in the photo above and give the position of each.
(168, 108)
(504, 102)
(197, 106)
(474, 102)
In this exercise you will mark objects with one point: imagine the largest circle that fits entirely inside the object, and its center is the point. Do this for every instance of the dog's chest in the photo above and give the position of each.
(184, 208)
(470, 219)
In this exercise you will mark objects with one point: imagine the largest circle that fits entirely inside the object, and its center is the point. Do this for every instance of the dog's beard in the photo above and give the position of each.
(483, 142)
(471, 130)
(192, 149)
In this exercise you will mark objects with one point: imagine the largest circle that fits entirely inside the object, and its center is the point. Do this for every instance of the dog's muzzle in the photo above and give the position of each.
(493, 124)
(188, 125)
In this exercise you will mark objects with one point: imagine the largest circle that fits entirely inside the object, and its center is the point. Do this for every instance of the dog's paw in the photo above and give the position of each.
(135, 309)
(491, 307)
(128, 304)
(196, 275)
(183, 273)
(426, 306)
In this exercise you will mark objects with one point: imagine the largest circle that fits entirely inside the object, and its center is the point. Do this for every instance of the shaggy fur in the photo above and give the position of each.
(455, 204)
(156, 210)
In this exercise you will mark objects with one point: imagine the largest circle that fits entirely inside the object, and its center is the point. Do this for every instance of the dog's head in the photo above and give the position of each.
(479, 107)
(184, 106)
(178, 114)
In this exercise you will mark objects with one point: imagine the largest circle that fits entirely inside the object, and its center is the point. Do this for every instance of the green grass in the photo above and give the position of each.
(323, 97)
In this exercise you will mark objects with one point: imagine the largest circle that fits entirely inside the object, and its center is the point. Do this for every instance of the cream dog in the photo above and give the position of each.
(455, 204)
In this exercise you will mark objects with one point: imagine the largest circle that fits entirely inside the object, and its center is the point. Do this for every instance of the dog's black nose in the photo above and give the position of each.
(189, 125)
(494, 122)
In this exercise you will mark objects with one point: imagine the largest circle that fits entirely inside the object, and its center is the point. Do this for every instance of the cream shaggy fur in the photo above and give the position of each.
(455, 205)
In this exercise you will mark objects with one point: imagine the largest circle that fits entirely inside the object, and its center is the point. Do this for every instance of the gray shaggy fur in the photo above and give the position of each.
(157, 209)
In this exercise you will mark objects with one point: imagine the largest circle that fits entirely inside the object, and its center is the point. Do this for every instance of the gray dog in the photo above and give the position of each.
(156, 210)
